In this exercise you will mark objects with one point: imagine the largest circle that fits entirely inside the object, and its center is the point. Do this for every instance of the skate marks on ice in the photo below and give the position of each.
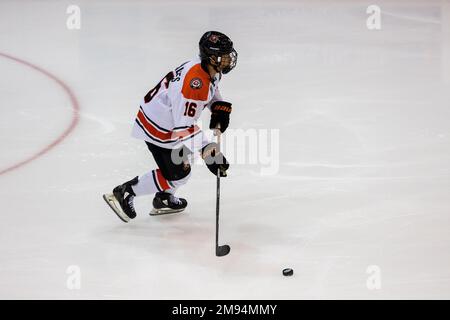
(105, 126)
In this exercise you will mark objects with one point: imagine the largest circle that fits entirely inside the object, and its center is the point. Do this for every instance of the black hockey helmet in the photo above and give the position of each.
(217, 50)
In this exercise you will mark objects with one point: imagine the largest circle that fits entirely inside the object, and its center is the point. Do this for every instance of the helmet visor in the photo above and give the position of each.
(226, 62)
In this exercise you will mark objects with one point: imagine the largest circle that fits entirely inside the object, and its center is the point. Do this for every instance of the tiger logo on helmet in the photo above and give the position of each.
(213, 38)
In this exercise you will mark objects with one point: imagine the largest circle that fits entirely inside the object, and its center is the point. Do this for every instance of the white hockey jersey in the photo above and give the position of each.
(168, 113)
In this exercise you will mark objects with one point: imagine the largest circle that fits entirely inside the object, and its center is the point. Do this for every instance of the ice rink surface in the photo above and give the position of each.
(360, 193)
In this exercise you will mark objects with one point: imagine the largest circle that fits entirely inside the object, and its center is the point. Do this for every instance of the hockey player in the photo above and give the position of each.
(166, 121)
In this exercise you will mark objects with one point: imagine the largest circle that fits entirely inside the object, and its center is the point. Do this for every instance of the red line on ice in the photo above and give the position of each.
(67, 131)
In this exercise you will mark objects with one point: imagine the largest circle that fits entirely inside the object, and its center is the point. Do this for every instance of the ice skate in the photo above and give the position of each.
(167, 203)
(121, 200)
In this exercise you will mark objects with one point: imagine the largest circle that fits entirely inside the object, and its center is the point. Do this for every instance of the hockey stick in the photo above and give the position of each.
(225, 249)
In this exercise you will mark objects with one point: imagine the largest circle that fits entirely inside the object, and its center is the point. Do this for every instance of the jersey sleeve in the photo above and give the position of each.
(187, 108)
(217, 97)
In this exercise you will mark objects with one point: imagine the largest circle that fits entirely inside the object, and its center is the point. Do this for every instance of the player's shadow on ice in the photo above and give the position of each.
(190, 239)
(167, 233)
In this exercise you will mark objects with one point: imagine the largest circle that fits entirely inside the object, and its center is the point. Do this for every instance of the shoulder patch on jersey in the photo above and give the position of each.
(196, 84)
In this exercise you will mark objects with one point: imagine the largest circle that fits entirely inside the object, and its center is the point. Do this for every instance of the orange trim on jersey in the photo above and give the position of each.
(161, 180)
(190, 91)
(186, 132)
(153, 131)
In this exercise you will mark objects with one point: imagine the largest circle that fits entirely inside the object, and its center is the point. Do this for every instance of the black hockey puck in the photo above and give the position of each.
(288, 272)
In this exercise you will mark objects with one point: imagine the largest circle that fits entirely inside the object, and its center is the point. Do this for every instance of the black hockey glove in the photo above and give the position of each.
(220, 114)
(215, 160)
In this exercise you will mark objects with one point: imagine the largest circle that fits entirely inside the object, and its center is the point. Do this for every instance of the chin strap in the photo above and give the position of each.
(215, 64)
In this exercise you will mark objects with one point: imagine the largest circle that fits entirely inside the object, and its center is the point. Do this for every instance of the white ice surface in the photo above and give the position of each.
(364, 176)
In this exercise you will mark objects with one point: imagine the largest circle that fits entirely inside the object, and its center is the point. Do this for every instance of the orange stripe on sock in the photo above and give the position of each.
(162, 181)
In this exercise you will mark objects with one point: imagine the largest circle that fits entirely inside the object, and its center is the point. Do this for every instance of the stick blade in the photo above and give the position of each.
(223, 250)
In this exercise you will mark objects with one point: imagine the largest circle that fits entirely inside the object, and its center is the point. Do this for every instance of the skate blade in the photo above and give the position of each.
(114, 205)
(160, 212)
